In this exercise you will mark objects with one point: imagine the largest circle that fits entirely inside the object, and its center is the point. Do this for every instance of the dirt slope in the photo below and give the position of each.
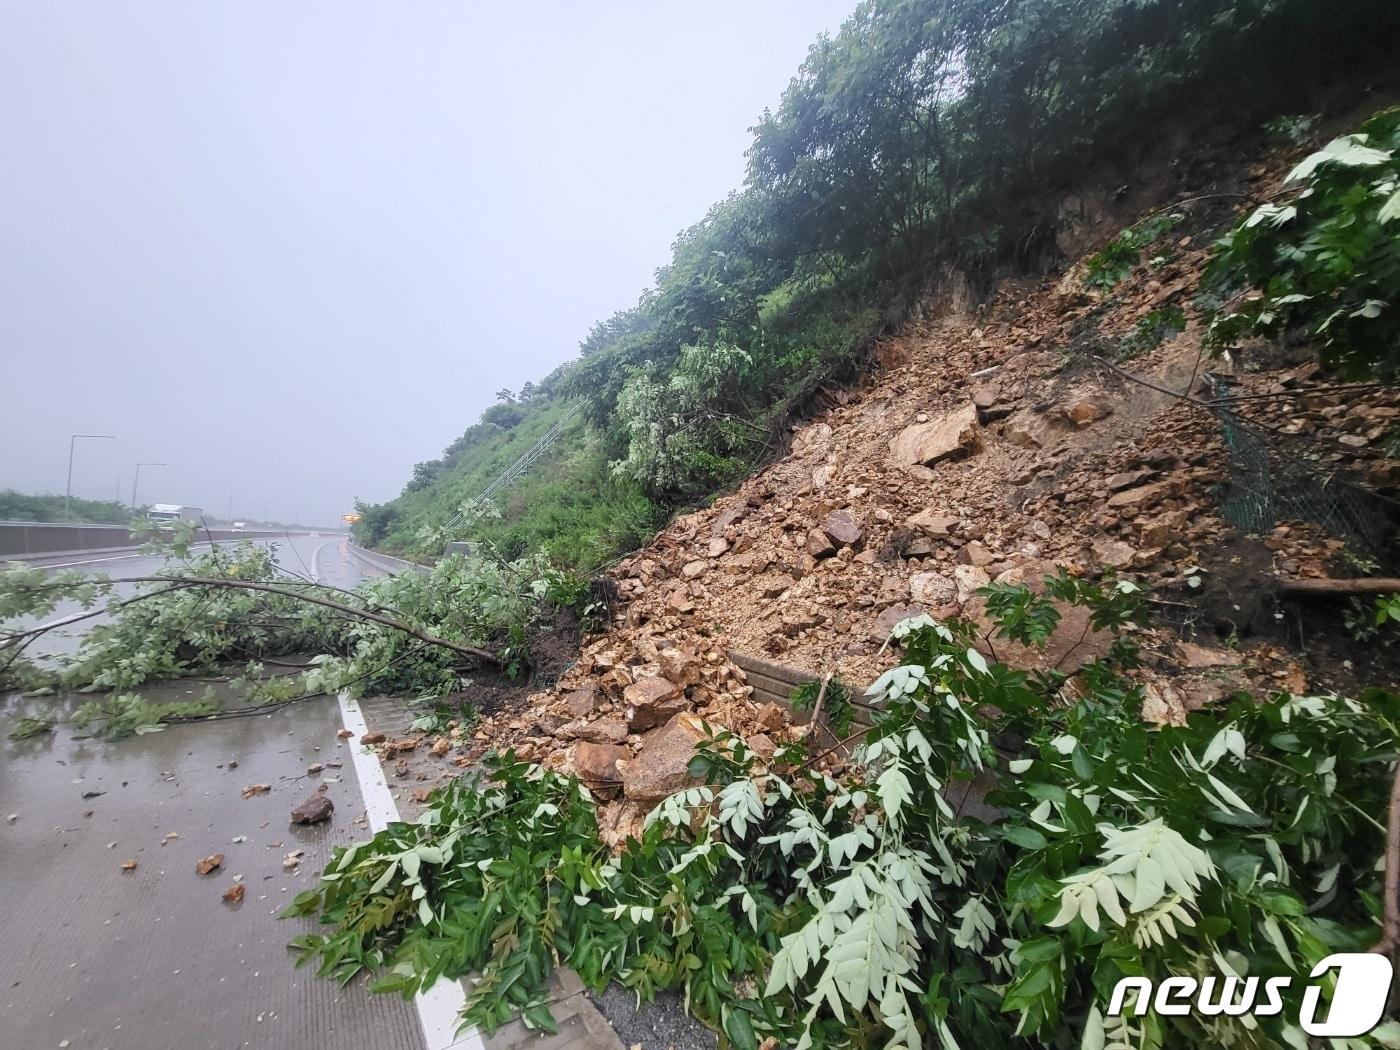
(994, 445)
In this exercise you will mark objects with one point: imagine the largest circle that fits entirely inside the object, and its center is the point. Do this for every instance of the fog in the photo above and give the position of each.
(288, 250)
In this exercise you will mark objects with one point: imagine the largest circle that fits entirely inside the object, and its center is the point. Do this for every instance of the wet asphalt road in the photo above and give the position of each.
(96, 957)
(310, 556)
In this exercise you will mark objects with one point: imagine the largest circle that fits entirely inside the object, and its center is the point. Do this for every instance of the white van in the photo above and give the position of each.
(238, 526)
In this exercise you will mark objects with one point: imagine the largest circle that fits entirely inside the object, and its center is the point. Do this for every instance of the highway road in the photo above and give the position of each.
(97, 957)
(325, 558)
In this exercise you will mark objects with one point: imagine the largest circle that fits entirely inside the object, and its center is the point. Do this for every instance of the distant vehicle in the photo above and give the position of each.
(238, 526)
(169, 513)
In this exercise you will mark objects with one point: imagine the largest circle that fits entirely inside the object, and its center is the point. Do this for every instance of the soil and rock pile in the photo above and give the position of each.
(989, 446)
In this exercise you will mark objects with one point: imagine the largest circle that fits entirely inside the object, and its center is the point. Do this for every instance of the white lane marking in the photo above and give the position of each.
(316, 560)
(439, 1006)
(94, 561)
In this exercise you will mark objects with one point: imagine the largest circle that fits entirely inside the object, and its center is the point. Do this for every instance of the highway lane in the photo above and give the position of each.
(99, 957)
(325, 558)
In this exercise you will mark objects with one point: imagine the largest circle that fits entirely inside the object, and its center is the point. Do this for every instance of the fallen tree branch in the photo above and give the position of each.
(1390, 923)
(817, 726)
(288, 592)
(1339, 588)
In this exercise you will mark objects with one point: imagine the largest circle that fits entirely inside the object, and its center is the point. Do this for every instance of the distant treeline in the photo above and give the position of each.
(16, 506)
(926, 137)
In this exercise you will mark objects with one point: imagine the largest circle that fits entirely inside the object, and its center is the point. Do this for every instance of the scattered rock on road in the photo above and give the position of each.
(210, 863)
(256, 789)
(314, 810)
(234, 894)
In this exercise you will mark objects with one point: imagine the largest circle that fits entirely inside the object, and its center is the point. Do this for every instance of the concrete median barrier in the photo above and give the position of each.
(34, 539)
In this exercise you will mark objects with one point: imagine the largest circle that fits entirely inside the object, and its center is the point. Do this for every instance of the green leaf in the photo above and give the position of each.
(1024, 836)
(740, 1029)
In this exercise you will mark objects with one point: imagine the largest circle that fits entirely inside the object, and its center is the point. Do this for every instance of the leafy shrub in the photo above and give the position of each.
(1119, 257)
(1327, 259)
(687, 432)
(837, 710)
(478, 601)
(16, 506)
(1165, 322)
(823, 911)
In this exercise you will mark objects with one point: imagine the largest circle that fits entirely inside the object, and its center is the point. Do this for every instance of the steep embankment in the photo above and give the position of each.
(1044, 430)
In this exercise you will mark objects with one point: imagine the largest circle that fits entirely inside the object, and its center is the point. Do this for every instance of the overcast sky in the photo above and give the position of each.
(290, 249)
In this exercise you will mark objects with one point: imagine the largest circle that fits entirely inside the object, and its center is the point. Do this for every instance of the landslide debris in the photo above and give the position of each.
(993, 446)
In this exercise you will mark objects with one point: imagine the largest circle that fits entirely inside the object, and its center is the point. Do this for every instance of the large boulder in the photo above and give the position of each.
(651, 701)
(679, 666)
(596, 764)
(661, 768)
(604, 731)
(924, 444)
(1070, 646)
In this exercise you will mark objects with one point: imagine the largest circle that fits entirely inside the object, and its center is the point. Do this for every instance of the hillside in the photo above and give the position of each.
(905, 161)
(1024, 622)
(1059, 425)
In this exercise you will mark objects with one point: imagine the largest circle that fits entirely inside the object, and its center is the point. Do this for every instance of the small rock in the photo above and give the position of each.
(1086, 410)
(651, 701)
(1142, 494)
(128, 865)
(210, 863)
(256, 789)
(932, 589)
(678, 666)
(372, 738)
(935, 525)
(603, 731)
(234, 894)
(582, 701)
(314, 810)
(841, 528)
(761, 744)
(771, 716)
(976, 554)
(819, 544)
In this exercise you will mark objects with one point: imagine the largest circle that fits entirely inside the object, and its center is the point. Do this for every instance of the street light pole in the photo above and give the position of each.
(135, 481)
(232, 493)
(68, 489)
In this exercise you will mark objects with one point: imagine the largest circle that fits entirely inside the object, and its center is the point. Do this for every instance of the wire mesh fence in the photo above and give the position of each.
(1276, 477)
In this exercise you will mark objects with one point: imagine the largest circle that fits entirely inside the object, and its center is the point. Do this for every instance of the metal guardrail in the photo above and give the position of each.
(386, 562)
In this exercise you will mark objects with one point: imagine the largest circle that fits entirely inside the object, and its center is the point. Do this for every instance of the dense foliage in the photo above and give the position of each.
(1326, 259)
(926, 136)
(863, 908)
(168, 627)
(16, 506)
